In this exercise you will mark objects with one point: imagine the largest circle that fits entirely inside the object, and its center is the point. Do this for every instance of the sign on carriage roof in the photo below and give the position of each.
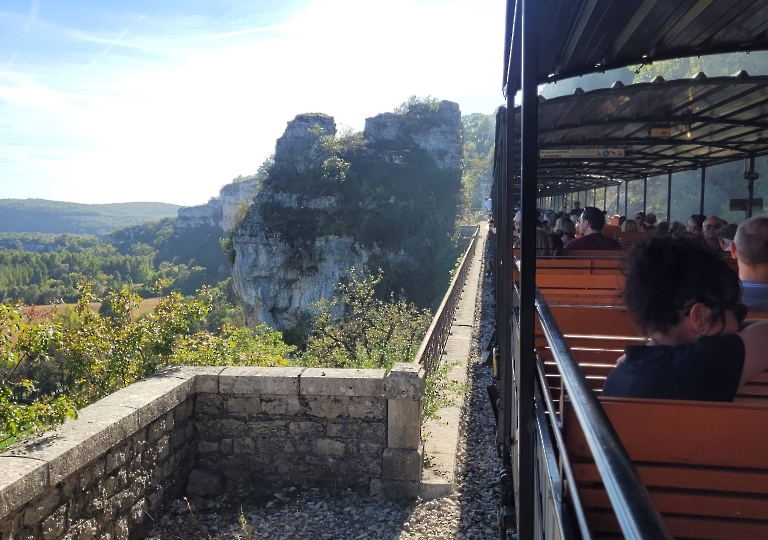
(581, 153)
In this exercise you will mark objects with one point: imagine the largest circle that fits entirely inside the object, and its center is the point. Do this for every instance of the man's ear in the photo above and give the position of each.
(733, 250)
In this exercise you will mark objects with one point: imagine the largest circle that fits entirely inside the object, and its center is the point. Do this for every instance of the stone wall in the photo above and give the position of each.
(201, 431)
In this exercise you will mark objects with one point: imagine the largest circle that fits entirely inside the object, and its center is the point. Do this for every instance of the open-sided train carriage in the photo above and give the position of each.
(575, 465)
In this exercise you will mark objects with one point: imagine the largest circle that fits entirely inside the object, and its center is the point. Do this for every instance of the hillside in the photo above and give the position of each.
(43, 216)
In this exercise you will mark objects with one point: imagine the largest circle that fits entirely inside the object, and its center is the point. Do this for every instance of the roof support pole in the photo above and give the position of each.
(703, 185)
(605, 198)
(524, 366)
(618, 198)
(669, 195)
(645, 193)
(751, 177)
(626, 192)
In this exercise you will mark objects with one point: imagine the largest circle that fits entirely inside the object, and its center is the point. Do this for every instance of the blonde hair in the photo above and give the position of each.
(542, 242)
(629, 225)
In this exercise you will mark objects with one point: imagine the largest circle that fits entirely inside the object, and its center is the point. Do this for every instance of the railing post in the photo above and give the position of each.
(669, 196)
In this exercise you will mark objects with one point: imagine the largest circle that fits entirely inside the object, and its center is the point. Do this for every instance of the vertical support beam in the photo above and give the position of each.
(525, 365)
(645, 193)
(618, 198)
(750, 185)
(626, 199)
(703, 185)
(669, 196)
(605, 198)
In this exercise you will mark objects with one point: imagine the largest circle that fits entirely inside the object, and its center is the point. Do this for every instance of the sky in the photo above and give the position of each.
(138, 100)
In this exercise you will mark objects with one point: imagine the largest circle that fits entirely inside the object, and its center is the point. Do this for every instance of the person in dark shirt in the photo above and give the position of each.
(591, 226)
(577, 210)
(688, 302)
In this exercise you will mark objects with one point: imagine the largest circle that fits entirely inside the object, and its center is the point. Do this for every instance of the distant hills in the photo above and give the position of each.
(44, 216)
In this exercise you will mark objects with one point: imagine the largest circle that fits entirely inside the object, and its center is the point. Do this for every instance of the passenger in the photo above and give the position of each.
(591, 227)
(725, 236)
(615, 220)
(696, 225)
(677, 228)
(542, 243)
(663, 228)
(622, 219)
(629, 226)
(688, 302)
(650, 221)
(576, 209)
(750, 249)
(565, 229)
(555, 243)
(640, 221)
(711, 224)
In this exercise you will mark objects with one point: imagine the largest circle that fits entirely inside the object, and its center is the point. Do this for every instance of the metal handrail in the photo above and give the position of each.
(433, 344)
(634, 510)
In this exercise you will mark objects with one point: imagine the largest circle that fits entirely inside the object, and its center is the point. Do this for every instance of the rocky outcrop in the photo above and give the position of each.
(219, 211)
(440, 137)
(277, 282)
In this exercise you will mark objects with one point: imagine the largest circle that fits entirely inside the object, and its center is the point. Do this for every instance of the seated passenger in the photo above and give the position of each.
(688, 302)
(650, 221)
(663, 228)
(725, 236)
(555, 243)
(565, 229)
(750, 249)
(615, 220)
(677, 228)
(591, 227)
(696, 225)
(640, 221)
(622, 219)
(711, 224)
(629, 226)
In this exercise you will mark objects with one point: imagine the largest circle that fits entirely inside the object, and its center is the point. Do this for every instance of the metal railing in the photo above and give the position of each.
(634, 510)
(433, 344)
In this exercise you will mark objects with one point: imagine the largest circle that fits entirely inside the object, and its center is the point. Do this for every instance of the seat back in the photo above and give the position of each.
(705, 466)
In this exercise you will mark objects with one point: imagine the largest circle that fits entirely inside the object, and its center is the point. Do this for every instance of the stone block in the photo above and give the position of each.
(403, 423)
(98, 428)
(53, 525)
(206, 378)
(41, 508)
(394, 489)
(152, 397)
(330, 448)
(372, 433)
(260, 380)
(281, 405)
(346, 430)
(342, 382)
(156, 429)
(327, 406)
(400, 464)
(202, 483)
(244, 445)
(311, 429)
(367, 408)
(226, 446)
(209, 404)
(244, 406)
(207, 447)
(21, 479)
(405, 381)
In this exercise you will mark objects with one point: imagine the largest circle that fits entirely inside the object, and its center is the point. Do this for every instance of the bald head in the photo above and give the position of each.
(752, 241)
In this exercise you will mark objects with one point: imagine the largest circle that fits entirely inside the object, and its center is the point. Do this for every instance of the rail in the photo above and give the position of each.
(433, 345)
(634, 510)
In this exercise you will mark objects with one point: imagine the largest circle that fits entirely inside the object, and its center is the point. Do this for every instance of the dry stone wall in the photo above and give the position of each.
(202, 431)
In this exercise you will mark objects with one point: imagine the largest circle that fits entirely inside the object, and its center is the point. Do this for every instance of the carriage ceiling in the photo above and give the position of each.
(576, 37)
(598, 138)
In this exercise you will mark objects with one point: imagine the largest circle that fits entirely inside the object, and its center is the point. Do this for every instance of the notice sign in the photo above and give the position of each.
(581, 153)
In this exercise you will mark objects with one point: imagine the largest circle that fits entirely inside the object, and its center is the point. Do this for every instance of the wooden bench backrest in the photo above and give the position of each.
(705, 466)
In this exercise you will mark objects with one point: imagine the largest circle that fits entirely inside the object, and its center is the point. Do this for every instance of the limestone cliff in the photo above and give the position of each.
(219, 211)
(326, 208)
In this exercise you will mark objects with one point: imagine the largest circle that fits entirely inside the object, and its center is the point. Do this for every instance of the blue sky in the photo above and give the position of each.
(121, 100)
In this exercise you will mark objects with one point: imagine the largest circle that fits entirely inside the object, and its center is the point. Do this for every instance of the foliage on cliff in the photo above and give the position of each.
(369, 333)
(389, 195)
(54, 364)
(479, 135)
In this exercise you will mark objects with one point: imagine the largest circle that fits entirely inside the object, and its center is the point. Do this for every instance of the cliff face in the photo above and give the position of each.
(306, 229)
(219, 211)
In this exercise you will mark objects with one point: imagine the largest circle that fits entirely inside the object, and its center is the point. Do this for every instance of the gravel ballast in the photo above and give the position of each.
(298, 513)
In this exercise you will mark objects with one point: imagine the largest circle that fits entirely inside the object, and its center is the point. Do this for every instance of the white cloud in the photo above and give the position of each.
(153, 127)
